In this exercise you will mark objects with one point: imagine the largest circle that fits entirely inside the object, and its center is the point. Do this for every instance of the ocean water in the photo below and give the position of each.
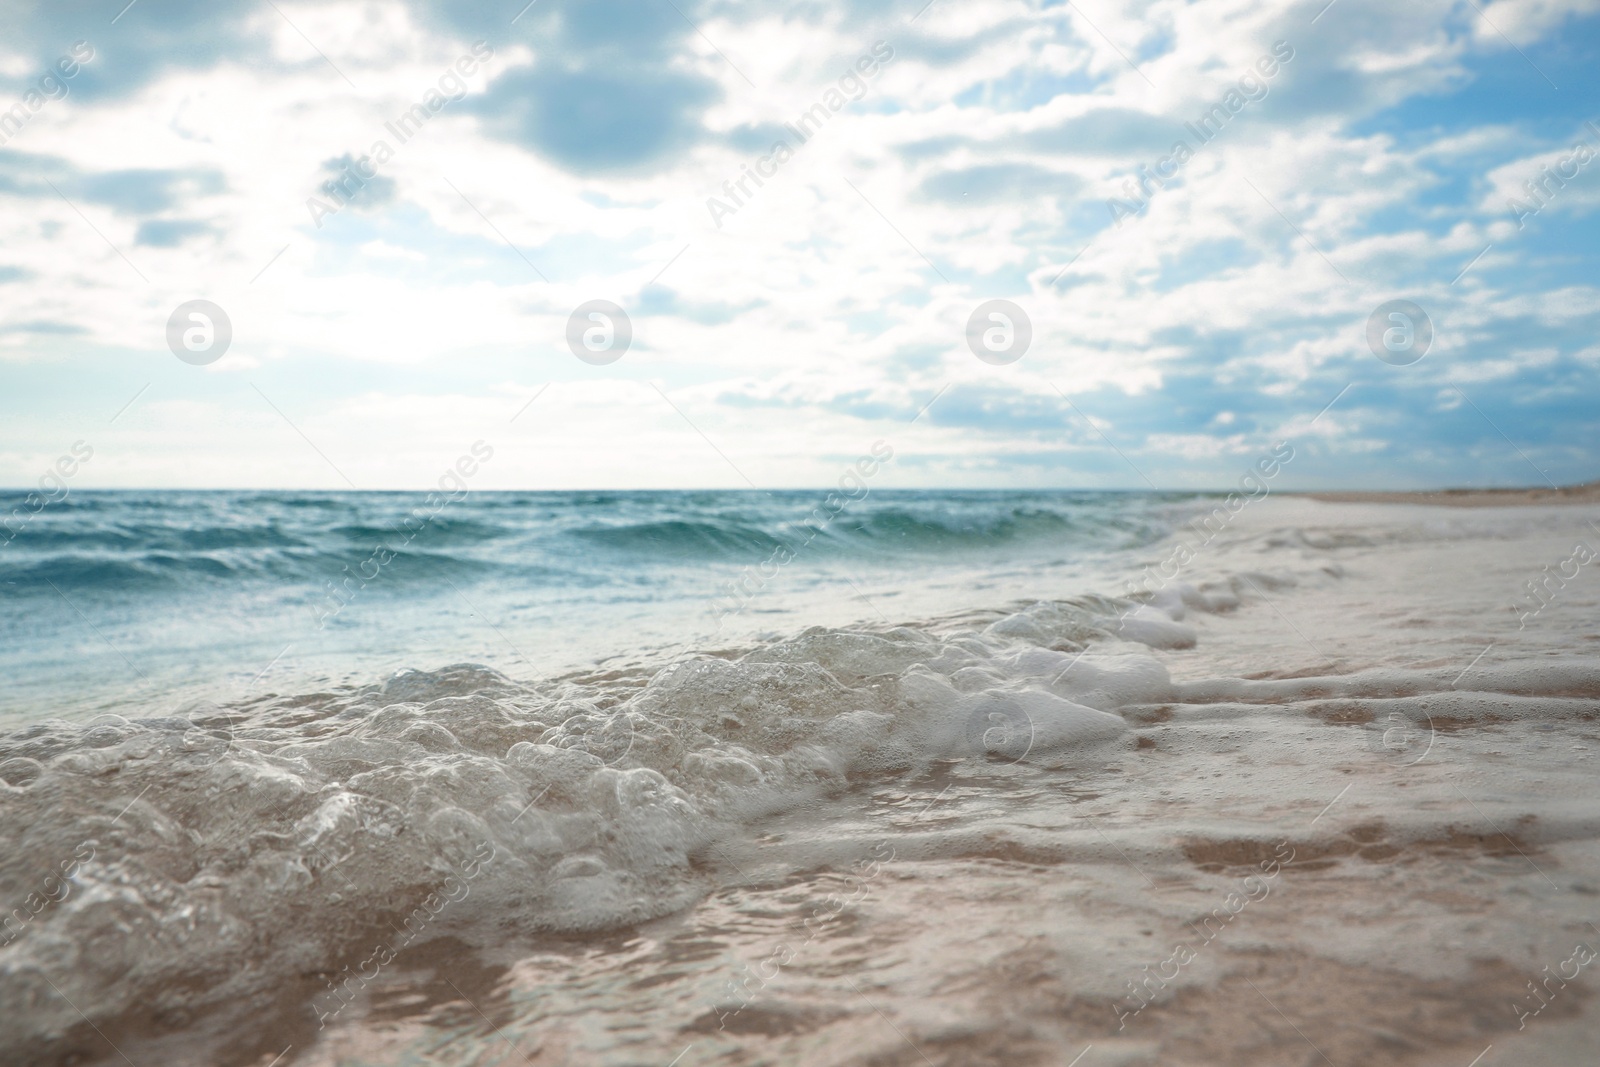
(749, 778)
(211, 595)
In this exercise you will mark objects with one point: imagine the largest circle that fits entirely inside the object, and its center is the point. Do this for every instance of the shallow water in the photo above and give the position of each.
(937, 793)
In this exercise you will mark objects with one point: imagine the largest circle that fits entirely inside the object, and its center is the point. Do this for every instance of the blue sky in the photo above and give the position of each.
(958, 153)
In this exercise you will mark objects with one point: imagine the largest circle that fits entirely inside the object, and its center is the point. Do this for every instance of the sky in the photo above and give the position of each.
(400, 216)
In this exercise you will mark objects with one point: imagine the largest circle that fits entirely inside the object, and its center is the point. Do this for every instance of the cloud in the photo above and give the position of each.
(170, 233)
(609, 93)
(1120, 133)
(142, 46)
(1525, 21)
(1000, 182)
(41, 326)
(660, 300)
(144, 192)
(344, 179)
(131, 191)
(833, 305)
(597, 121)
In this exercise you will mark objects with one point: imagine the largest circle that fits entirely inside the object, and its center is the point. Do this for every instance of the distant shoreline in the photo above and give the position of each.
(1588, 493)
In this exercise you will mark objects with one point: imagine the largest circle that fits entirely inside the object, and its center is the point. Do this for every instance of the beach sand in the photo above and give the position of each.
(1587, 493)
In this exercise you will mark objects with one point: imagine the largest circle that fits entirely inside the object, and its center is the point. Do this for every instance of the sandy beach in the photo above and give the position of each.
(1330, 793)
(1587, 493)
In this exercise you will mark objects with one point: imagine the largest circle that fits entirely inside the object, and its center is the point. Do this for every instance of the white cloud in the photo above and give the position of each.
(1525, 21)
(812, 317)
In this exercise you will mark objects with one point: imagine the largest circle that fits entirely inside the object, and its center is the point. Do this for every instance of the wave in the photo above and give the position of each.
(154, 541)
(159, 571)
(440, 531)
(228, 851)
(886, 526)
(901, 527)
(595, 797)
(148, 569)
(676, 538)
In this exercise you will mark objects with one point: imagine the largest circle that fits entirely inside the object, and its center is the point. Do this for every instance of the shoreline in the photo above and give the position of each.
(1116, 835)
(1587, 493)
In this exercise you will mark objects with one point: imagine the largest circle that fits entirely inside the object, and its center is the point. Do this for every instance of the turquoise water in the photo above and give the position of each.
(133, 599)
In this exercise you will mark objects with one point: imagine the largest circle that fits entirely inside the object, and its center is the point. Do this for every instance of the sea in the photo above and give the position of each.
(166, 596)
(845, 776)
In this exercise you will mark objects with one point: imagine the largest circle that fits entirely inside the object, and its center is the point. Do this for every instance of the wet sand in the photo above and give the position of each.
(1587, 493)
